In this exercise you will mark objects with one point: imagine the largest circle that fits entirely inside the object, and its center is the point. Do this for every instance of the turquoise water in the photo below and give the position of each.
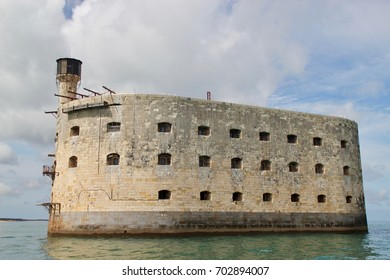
(28, 241)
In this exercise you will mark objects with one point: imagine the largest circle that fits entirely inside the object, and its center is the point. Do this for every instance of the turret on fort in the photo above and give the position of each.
(68, 78)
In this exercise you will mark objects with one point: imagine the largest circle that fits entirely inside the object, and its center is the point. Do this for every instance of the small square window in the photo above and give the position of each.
(267, 197)
(204, 130)
(74, 131)
(164, 159)
(236, 163)
(293, 167)
(295, 197)
(292, 139)
(204, 161)
(321, 198)
(237, 196)
(265, 165)
(317, 141)
(235, 133)
(164, 127)
(264, 136)
(205, 195)
(113, 126)
(319, 168)
(164, 194)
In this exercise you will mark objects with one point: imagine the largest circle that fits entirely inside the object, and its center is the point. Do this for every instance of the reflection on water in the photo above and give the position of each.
(260, 246)
(28, 241)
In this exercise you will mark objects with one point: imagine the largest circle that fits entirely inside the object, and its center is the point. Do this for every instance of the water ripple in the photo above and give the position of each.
(28, 240)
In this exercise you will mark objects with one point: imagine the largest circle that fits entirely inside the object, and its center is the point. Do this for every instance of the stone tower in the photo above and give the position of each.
(68, 78)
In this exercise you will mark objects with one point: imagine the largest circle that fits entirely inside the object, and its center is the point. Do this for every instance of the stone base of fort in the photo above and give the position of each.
(175, 222)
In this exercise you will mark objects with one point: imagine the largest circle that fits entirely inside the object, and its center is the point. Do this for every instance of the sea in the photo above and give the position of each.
(28, 240)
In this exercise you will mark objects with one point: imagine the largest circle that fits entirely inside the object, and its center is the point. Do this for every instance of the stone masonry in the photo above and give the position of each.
(142, 163)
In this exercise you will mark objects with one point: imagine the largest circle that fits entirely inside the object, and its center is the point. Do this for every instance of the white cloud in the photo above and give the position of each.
(373, 173)
(69, 6)
(28, 125)
(378, 196)
(30, 43)
(7, 155)
(371, 89)
(185, 48)
(5, 190)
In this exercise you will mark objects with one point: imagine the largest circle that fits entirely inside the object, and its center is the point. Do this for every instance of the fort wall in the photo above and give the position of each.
(140, 163)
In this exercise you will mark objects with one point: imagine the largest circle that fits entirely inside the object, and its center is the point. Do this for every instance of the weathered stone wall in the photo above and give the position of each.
(132, 186)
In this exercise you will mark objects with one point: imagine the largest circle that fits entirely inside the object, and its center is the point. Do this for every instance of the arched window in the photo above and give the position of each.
(113, 159)
(205, 195)
(203, 130)
(74, 130)
(321, 198)
(293, 166)
(164, 159)
(237, 196)
(264, 136)
(317, 141)
(72, 162)
(236, 163)
(204, 161)
(319, 168)
(267, 197)
(164, 127)
(235, 133)
(164, 194)
(295, 197)
(265, 165)
(343, 144)
(348, 199)
(113, 126)
(346, 170)
(292, 139)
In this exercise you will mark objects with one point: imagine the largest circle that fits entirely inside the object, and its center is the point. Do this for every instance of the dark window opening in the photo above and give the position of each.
(348, 199)
(74, 131)
(164, 159)
(164, 194)
(72, 162)
(293, 167)
(113, 126)
(264, 136)
(346, 170)
(164, 127)
(321, 198)
(204, 130)
(235, 133)
(295, 197)
(292, 139)
(236, 163)
(343, 144)
(319, 168)
(265, 165)
(267, 197)
(204, 161)
(205, 195)
(237, 196)
(317, 141)
(113, 159)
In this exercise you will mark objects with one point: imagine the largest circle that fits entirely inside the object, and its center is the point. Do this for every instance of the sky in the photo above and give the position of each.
(325, 57)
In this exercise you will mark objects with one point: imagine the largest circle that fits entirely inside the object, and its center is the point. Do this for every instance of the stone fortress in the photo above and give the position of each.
(155, 164)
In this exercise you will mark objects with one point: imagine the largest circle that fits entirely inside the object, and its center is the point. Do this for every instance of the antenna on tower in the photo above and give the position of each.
(111, 91)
